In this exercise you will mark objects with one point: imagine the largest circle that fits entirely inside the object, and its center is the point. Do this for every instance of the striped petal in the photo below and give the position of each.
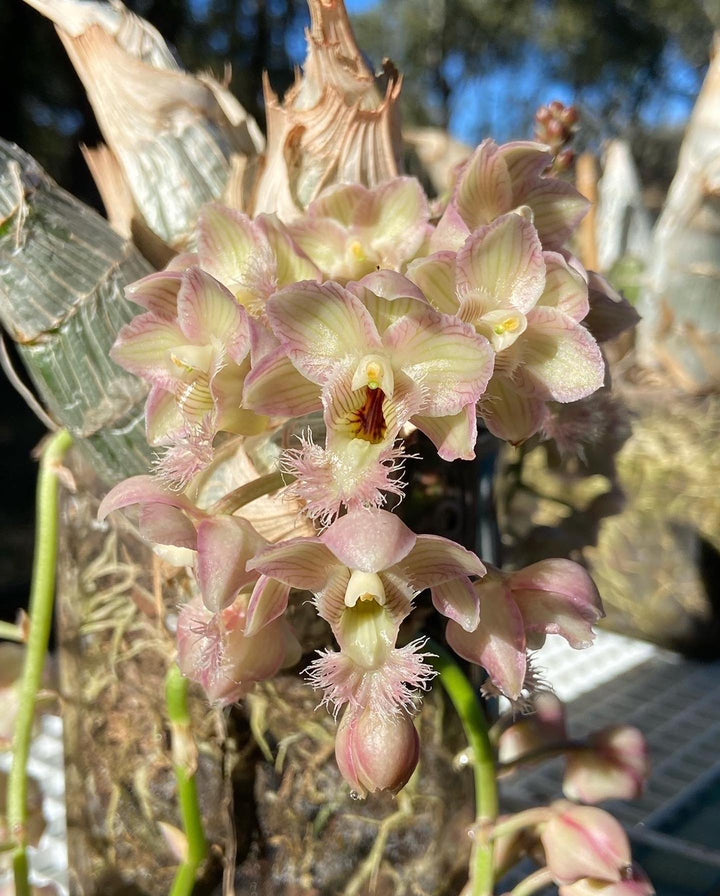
(320, 325)
(454, 436)
(143, 347)
(508, 413)
(458, 600)
(144, 490)
(561, 360)
(304, 563)
(500, 266)
(484, 189)
(443, 355)
(557, 209)
(276, 387)
(434, 560)
(157, 292)
(398, 220)
(435, 275)
(268, 601)
(207, 314)
(565, 287)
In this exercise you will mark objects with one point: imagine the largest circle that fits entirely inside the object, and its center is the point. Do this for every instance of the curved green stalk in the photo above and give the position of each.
(184, 762)
(42, 594)
(465, 701)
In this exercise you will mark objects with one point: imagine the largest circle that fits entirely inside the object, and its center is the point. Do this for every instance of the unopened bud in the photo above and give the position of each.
(376, 751)
(634, 884)
(584, 842)
(544, 726)
(615, 766)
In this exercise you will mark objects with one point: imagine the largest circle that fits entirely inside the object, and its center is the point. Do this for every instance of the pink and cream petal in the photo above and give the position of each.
(163, 524)
(484, 190)
(557, 596)
(444, 356)
(458, 600)
(157, 292)
(292, 264)
(145, 490)
(565, 288)
(369, 540)
(500, 266)
(450, 233)
(497, 644)
(276, 387)
(525, 162)
(163, 420)
(558, 208)
(320, 325)
(208, 314)
(435, 275)
(340, 202)
(434, 560)
(225, 544)
(508, 413)
(454, 436)
(144, 345)
(268, 602)
(304, 563)
(562, 361)
(399, 218)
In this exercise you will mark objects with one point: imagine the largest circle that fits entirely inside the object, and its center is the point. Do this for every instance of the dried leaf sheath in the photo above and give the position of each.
(62, 274)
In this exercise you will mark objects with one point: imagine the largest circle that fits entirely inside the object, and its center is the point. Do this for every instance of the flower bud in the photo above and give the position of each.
(615, 766)
(214, 651)
(634, 884)
(544, 726)
(376, 751)
(584, 842)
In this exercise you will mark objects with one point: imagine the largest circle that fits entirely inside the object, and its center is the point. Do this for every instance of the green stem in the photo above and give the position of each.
(11, 632)
(263, 485)
(42, 594)
(467, 704)
(538, 880)
(185, 762)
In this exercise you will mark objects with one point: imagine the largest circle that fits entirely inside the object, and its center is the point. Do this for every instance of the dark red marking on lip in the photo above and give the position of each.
(368, 421)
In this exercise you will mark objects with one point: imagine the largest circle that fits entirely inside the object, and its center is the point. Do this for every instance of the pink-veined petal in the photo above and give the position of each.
(157, 292)
(458, 600)
(163, 419)
(434, 559)
(444, 356)
(565, 288)
(225, 544)
(557, 208)
(399, 216)
(451, 231)
(498, 642)
(276, 387)
(320, 325)
(500, 266)
(557, 597)
(454, 436)
(435, 275)
(390, 285)
(292, 263)
(268, 601)
(236, 252)
(143, 347)
(340, 202)
(164, 524)
(560, 358)
(304, 563)
(508, 413)
(144, 490)
(369, 540)
(208, 313)
(326, 243)
(484, 190)
(526, 161)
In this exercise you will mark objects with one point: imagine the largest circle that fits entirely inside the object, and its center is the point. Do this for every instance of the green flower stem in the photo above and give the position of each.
(538, 880)
(525, 819)
(467, 704)
(42, 595)
(185, 763)
(263, 485)
(11, 632)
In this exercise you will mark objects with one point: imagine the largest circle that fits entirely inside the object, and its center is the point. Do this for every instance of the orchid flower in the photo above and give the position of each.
(191, 346)
(351, 230)
(529, 304)
(517, 610)
(364, 572)
(251, 258)
(614, 766)
(500, 179)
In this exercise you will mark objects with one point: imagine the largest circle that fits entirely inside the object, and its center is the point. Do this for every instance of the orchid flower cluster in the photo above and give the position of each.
(334, 336)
